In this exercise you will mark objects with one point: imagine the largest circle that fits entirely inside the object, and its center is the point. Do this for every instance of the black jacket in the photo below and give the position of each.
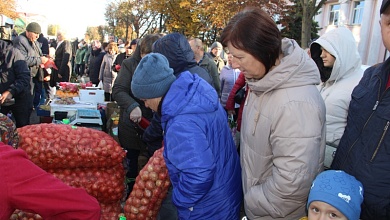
(118, 61)
(62, 59)
(128, 135)
(44, 44)
(15, 75)
(95, 60)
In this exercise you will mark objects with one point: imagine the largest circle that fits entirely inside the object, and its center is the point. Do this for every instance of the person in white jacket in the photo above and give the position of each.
(338, 60)
(283, 124)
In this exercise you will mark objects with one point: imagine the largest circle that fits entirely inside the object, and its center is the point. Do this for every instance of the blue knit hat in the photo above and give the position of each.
(339, 190)
(152, 77)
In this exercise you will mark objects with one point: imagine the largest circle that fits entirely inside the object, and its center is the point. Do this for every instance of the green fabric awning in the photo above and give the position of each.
(19, 22)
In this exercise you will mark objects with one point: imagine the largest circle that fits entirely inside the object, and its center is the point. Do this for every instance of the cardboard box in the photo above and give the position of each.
(91, 95)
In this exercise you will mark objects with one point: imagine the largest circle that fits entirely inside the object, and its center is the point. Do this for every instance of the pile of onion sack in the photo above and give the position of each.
(80, 157)
(150, 188)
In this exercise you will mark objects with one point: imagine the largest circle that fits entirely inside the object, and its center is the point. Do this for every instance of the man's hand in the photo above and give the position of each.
(5, 96)
(136, 115)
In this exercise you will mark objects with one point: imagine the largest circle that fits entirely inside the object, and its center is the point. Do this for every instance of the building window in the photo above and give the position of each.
(358, 9)
(334, 14)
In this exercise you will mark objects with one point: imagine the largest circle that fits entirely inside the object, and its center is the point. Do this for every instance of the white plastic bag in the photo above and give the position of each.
(100, 85)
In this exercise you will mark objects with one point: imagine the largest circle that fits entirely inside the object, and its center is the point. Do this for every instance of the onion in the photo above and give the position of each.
(149, 190)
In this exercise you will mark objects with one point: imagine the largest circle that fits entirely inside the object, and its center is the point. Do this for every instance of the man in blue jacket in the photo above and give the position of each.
(180, 56)
(178, 52)
(199, 152)
(364, 149)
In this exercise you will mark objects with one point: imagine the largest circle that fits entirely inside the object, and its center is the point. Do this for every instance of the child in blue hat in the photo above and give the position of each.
(334, 194)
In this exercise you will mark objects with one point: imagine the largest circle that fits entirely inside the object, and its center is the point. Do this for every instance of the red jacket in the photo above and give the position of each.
(240, 82)
(26, 186)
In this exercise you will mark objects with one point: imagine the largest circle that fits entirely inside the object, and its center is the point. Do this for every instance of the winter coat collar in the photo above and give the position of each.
(189, 94)
(296, 68)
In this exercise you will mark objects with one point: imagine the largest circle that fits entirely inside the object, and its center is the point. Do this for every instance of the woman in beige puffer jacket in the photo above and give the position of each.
(283, 124)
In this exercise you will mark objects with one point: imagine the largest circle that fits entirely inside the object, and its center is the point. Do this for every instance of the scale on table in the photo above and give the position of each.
(86, 116)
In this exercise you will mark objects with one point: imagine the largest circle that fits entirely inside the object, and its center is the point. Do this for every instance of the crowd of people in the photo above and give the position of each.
(300, 113)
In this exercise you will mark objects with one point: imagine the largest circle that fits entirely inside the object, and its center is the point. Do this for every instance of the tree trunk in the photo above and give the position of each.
(306, 25)
(161, 29)
(127, 30)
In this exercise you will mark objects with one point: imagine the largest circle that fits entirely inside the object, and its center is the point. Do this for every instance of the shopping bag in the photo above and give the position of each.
(100, 85)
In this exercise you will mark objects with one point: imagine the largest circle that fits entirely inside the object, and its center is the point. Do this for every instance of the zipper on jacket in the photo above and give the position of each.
(387, 124)
(375, 106)
(353, 144)
(380, 141)
(379, 97)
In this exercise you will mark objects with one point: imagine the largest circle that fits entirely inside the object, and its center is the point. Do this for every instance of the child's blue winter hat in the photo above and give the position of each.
(152, 77)
(339, 190)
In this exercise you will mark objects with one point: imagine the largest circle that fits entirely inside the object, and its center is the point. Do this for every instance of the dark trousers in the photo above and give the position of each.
(107, 97)
(168, 210)
(132, 163)
(79, 69)
(21, 110)
(38, 85)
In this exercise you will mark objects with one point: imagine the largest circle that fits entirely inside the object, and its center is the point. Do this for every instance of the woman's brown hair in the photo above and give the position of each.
(253, 31)
(113, 46)
(146, 43)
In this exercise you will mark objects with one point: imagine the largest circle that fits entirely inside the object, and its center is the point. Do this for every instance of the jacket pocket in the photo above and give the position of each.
(359, 97)
(258, 168)
(359, 94)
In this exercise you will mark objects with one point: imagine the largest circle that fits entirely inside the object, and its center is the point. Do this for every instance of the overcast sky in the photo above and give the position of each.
(73, 15)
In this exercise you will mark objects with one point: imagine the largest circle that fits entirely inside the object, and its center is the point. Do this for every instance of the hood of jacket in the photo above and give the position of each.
(177, 50)
(342, 45)
(187, 95)
(296, 68)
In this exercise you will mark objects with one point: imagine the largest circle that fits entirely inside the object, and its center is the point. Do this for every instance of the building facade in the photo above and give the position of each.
(362, 18)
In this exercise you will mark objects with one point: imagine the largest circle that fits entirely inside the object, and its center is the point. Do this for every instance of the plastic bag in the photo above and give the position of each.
(100, 85)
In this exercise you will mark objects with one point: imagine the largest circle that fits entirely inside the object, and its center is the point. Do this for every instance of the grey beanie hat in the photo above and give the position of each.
(216, 44)
(152, 77)
(34, 27)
